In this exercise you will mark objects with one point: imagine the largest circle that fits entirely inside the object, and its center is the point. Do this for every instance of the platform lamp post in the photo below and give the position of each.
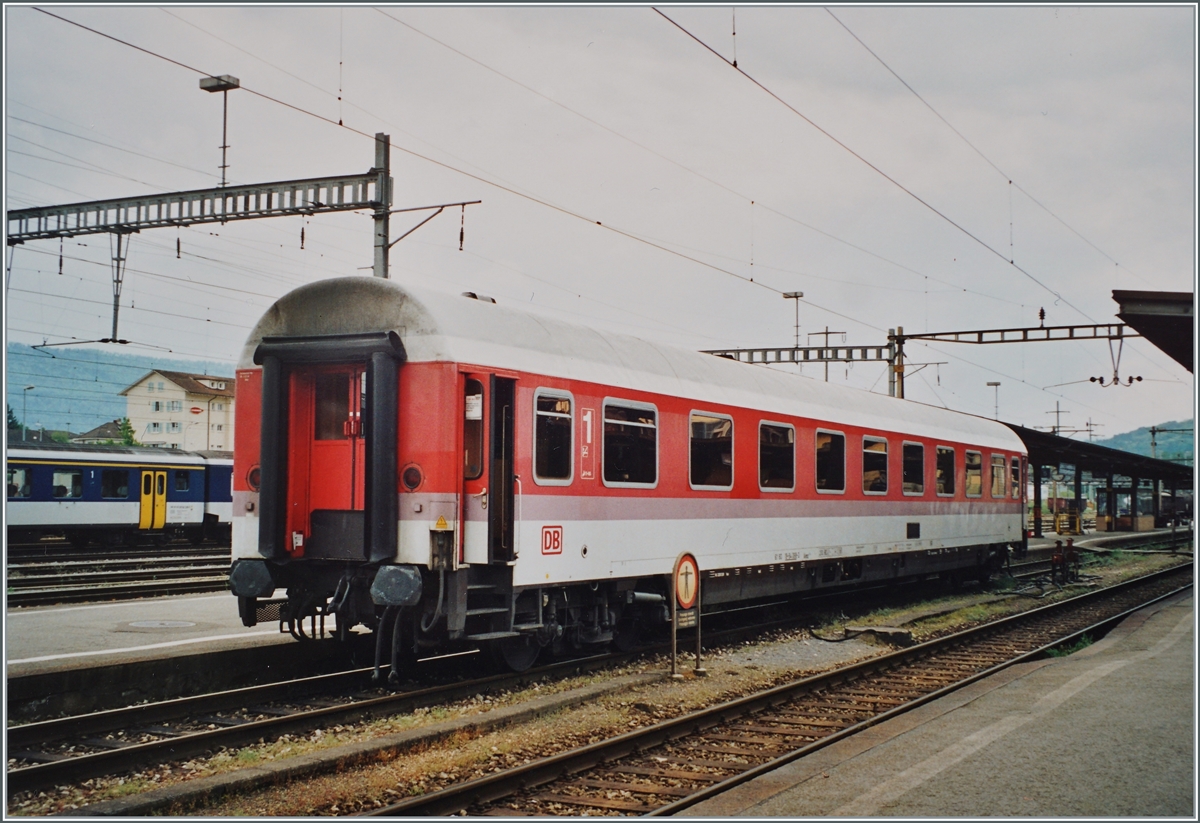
(996, 385)
(25, 409)
(222, 83)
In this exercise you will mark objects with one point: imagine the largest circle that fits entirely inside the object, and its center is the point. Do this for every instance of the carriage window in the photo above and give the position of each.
(1016, 478)
(630, 445)
(711, 453)
(776, 457)
(831, 461)
(67, 483)
(998, 477)
(473, 429)
(552, 437)
(914, 468)
(19, 481)
(182, 481)
(945, 471)
(974, 474)
(874, 465)
(333, 406)
(114, 484)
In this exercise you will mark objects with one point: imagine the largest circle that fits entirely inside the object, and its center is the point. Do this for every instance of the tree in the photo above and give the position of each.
(13, 422)
(127, 437)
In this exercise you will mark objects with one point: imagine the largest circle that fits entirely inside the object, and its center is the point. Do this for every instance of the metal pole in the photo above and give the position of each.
(891, 363)
(118, 279)
(675, 675)
(900, 362)
(700, 670)
(1037, 500)
(383, 191)
(224, 137)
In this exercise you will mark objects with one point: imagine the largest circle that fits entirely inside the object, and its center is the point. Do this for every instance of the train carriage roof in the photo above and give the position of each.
(437, 327)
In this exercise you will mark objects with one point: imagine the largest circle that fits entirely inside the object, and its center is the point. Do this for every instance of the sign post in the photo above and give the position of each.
(685, 608)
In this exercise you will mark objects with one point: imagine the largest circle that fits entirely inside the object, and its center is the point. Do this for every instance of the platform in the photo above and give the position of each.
(1107, 731)
(48, 638)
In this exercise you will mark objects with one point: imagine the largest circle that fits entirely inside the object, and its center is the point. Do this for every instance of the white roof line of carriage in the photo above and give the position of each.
(438, 327)
(70, 456)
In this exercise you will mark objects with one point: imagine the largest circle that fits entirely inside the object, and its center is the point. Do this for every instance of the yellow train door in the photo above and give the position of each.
(153, 514)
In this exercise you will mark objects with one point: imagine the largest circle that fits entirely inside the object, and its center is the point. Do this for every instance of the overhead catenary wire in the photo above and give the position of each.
(875, 168)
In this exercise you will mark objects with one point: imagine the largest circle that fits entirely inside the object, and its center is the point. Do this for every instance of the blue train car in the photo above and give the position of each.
(116, 495)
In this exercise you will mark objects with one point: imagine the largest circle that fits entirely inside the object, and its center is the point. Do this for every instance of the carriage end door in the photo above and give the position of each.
(488, 469)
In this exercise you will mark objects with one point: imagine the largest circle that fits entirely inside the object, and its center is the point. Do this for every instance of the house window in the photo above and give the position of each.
(552, 437)
(630, 444)
(114, 484)
(874, 480)
(174, 445)
(220, 407)
(174, 405)
(19, 481)
(831, 461)
(154, 428)
(156, 405)
(1016, 478)
(220, 426)
(160, 386)
(776, 457)
(998, 478)
(974, 474)
(173, 427)
(945, 471)
(182, 481)
(711, 452)
(914, 468)
(67, 483)
(149, 387)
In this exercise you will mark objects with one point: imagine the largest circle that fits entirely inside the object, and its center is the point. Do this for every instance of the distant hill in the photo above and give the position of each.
(1171, 445)
(77, 386)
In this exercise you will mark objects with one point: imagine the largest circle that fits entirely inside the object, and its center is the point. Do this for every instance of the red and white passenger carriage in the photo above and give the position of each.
(474, 474)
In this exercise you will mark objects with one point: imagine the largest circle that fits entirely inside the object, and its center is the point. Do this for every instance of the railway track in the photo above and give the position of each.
(664, 768)
(68, 750)
(38, 578)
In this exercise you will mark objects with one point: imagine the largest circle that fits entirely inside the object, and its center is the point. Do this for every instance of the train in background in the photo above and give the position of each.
(117, 495)
(453, 473)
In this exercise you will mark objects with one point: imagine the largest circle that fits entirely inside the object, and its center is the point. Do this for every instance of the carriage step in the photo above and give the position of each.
(477, 587)
(488, 610)
(492, 635)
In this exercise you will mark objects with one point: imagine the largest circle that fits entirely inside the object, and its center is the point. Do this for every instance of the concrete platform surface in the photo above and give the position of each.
(1107, 731)
(56, 637)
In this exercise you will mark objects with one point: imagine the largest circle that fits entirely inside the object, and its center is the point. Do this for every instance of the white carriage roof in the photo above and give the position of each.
(438, 327)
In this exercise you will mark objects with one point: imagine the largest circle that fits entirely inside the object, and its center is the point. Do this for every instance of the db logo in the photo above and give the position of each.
(552, 540)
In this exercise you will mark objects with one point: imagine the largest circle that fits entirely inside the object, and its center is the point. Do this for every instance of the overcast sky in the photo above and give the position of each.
(884, 207)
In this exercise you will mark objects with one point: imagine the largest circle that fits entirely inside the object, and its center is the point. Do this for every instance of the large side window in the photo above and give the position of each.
(1016, 478)
(114, 484)
(710, 451)
(875, 462)
(998, 477)
(472, 429)
(552, 437)
(914, 468)
(20, 481)
(630, 444)
(183, 481)
(831, 461)
(67, 483)
(776, 457)
(945, 471)
(974, 474)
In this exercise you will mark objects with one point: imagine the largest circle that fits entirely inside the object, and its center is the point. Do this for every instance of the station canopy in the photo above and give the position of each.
(1047, 449)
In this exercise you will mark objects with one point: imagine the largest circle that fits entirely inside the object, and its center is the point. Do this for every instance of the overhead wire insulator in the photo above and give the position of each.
(302, 238)
(462, 224)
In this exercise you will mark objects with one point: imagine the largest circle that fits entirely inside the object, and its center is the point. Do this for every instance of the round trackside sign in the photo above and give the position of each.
(687, 581)
(196, 409)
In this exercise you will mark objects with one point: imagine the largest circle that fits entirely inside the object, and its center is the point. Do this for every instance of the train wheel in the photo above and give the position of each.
(515, 653)
(195, 536)
(628, 635)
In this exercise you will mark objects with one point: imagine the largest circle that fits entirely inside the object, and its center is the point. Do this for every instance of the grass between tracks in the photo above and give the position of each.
(733, 672)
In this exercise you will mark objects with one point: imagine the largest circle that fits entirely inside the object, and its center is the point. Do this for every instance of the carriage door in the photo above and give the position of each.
(327, 462)
(153, 513)
(488, 469)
